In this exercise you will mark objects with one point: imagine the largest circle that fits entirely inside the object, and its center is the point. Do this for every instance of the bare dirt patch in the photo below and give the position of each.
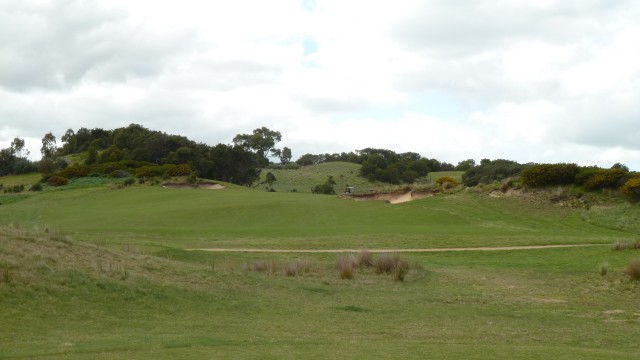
(202, 185)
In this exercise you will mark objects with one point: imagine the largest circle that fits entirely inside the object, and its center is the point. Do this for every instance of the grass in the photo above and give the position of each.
(61, 303)
(118, 282)
(154, 216)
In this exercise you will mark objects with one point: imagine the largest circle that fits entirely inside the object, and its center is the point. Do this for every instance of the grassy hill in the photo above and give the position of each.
(345, 174)
(92, 270)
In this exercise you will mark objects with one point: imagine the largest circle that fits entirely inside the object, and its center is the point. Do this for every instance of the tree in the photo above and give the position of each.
(285, 155)
(69, 142)
(465, 165)
(17, 146)
(261, 141)
(48, 148)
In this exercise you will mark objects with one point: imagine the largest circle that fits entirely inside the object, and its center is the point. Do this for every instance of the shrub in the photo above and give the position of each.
(119, 174)
(36, 187)
(57, 180)
(633, 270)
(447, 181)
(631, 189)
(541, 175)
(606, 179)
(128, 182)
(178, 170)
(346, 266)
(17, 188)
(325, 188)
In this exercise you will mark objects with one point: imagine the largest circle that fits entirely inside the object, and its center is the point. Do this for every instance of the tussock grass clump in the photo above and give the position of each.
(346, 265)
(297, 268)
(633, 270)
(264, 266)
(603, 269)
(392, 264)
(364, 258)
(632, 245)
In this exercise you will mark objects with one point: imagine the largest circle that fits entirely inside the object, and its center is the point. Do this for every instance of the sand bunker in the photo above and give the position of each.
(209, 186)
(391, 198)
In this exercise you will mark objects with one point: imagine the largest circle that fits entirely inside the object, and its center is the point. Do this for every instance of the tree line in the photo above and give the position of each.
(237, 163)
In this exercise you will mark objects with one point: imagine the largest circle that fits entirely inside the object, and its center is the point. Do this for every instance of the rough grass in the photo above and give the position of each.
(68, 299)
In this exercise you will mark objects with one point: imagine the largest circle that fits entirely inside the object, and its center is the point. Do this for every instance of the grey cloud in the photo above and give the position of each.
(441, 28)
(59, 44)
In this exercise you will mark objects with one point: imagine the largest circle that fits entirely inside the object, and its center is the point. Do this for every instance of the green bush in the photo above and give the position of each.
(490, 171)
(36, 187)
(326, 188)
(17, 188)
(119, 174)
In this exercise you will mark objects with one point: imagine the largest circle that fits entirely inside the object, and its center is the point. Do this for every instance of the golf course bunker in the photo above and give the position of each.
(202, 185)
(391, 198)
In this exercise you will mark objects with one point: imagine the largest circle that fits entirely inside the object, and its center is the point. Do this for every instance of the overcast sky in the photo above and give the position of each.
(531, 81)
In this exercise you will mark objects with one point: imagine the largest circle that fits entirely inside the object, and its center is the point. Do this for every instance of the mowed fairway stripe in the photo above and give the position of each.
(494, 248)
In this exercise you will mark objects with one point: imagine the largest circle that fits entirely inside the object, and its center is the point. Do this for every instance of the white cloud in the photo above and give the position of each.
(532, 81)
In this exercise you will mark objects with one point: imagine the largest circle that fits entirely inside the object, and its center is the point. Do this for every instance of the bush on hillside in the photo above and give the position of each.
(541, 175)
(447, 181)
(631, 189)
(606, 179)
(490, 171)
(326, 188)
(57, 180)
(36, 187)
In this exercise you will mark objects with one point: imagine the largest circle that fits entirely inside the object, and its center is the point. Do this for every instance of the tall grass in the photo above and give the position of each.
(392, 264)
(346, 266)
(633, 270)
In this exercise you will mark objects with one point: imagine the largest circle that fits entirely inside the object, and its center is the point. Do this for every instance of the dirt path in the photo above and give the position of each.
(494, 248)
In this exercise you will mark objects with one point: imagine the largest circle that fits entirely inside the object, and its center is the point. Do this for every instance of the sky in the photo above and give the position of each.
(532, 81)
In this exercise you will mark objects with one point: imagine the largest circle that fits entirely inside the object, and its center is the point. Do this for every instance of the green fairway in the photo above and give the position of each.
(92, 270)
(235, 216)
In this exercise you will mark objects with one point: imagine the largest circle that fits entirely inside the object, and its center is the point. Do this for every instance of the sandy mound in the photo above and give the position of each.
(209, 186)
(391, 198)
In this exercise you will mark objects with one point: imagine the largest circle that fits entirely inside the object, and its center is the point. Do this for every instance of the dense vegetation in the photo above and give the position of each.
(138, 151)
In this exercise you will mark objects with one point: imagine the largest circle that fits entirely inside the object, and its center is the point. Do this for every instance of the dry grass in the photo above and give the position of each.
(264, 266)
(346, 265)
(603, 269)
(392, 264)
(364, 258)
(297, 268)
(619, 246)
(633, 270)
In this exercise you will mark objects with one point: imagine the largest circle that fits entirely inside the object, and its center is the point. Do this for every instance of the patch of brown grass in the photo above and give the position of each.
(620, 246)
(633, 270)
(364, 258)
(346, 266)
(297, 268)
(392, 264)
